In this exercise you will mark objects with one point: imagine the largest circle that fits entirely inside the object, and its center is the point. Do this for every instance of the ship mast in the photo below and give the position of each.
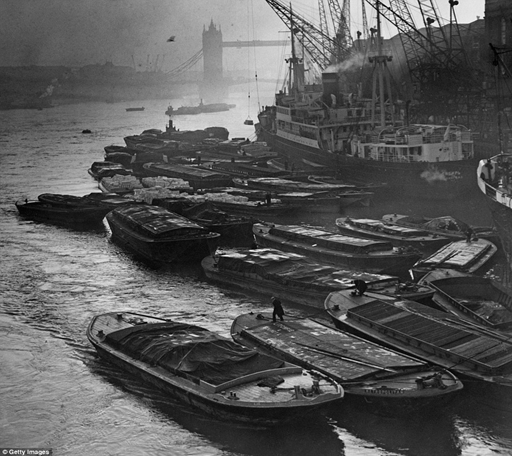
(380, 77)
(295, 76)
(500, 67)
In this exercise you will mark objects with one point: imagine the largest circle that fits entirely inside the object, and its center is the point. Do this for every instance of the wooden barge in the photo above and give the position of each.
(342, 251)
(208, 371)
(386, 381)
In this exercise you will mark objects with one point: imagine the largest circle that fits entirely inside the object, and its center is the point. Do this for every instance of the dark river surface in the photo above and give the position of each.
(56, 393)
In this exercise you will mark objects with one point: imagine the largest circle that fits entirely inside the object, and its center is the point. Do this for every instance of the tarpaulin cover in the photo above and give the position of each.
(190, 350)
(157, 222)
(329, 240)
(290, 268)
(447, 223)
(382, 227)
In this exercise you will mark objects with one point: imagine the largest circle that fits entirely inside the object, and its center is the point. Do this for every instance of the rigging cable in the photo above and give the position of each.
(254, 57)
(248, 120)
(186, 65)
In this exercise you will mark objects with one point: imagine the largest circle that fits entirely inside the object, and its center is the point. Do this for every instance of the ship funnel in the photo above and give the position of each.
(330, 83)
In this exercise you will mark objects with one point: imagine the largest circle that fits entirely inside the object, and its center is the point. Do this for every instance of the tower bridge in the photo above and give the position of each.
(214, 82)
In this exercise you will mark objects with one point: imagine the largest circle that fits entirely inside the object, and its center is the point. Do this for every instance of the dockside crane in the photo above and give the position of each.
(322, 48)
(438, 67)
(324, 27)
(341, 19)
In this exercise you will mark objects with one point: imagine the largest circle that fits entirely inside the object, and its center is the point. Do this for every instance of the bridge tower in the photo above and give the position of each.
(213, 86)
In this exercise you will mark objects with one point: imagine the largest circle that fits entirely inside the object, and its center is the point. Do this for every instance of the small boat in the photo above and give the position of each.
(477, 299)
(99, 170)
(76, 216)
(125, 159)
(208, 371)
(296, 278)
(396, 234)
(106, 201)
(198, 178)
(445, 226)
(201, 108)
(193, 136)
(151, 143)
(464, 256)
(113, 148)
(342, 251)
(233, 144)
(141, 108)
(119, 184)
(234, 231)
(381, 379)
(472, 352)
(248, 122)
(159, 236)
(257, 150)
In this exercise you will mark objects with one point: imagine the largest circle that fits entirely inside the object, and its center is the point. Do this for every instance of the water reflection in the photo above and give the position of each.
(311, 435)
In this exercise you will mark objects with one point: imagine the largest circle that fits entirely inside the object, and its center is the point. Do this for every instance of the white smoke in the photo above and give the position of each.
(354, 61)
(49, 90)
(433, 174)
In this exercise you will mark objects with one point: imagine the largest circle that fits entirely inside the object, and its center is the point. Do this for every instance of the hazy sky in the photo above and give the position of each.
(79, 32)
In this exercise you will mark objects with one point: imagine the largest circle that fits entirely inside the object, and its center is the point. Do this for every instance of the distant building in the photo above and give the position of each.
(212, 53)
(214, 87)
(498, 27)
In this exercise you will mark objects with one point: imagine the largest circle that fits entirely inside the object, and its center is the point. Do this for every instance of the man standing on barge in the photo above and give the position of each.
(278, 309)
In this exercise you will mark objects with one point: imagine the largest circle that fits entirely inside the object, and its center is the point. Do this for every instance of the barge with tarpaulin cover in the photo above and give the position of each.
(339, 250)
(160, 236)
(296, 278)
(208, 371)
(347, 194)
(81, 215)
(397, 235)
(444, 226)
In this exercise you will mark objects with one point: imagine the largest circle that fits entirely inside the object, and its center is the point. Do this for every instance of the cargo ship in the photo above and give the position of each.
(366, 139)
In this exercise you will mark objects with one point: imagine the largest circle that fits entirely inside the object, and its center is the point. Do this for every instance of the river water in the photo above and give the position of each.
(56, 393)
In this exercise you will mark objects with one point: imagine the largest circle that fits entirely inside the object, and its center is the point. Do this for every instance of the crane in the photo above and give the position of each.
(341, 19)
(324, 28)
(442, 74)
(322, 48)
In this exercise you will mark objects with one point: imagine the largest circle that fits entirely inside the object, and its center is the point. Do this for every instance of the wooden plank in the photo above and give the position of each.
(450, 338)
(408, 323)
(504, 358)
(474, 347)
(376, 310)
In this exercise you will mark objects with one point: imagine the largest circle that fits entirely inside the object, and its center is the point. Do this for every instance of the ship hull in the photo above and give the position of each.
(502, 218)
(441, 180)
